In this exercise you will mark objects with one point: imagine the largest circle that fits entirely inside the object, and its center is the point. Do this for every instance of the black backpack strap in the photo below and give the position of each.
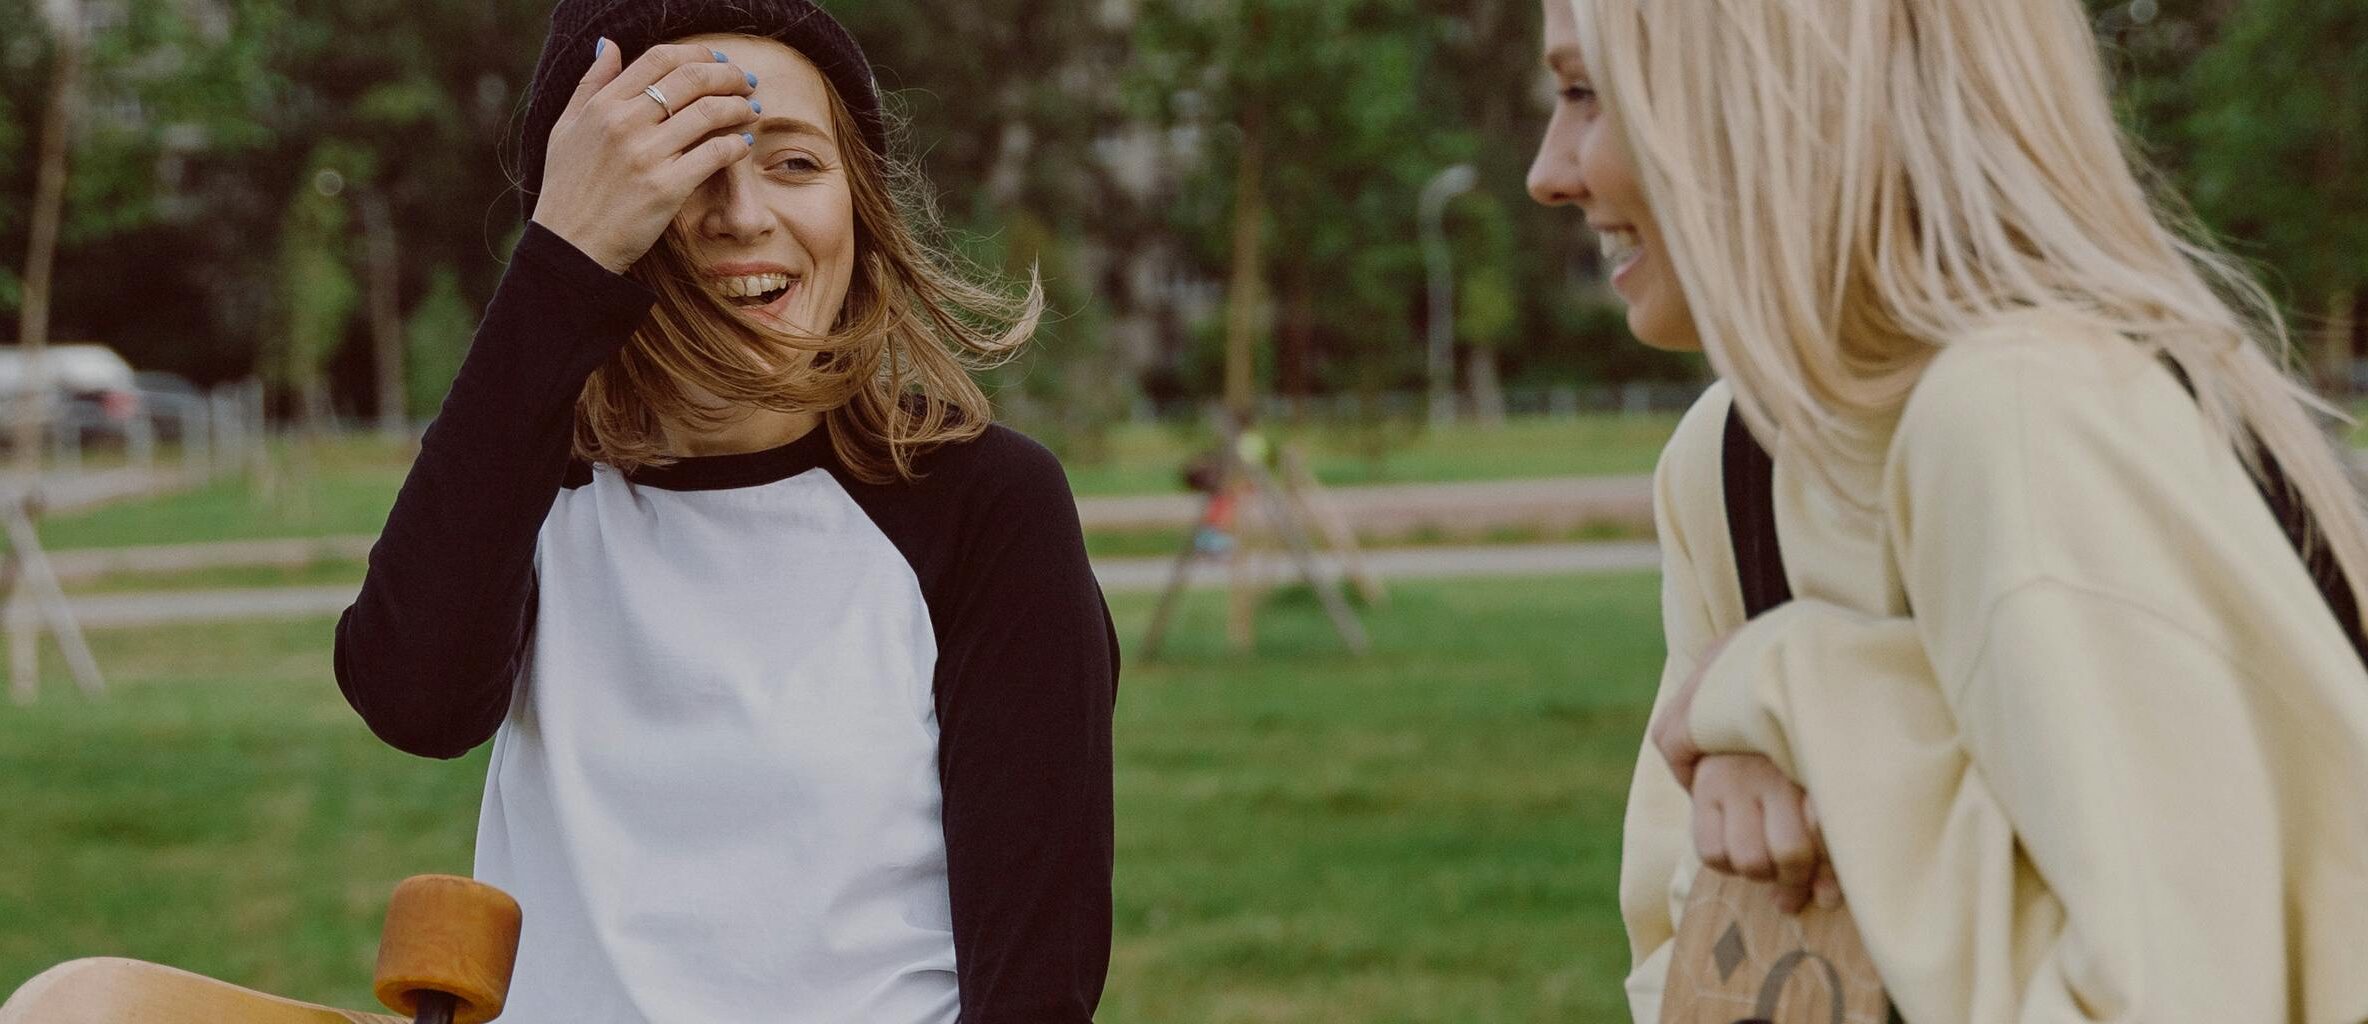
(1750, 476)
(2294, 517)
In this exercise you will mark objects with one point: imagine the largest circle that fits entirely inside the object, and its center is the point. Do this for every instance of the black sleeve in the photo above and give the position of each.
(429, 652)
(1027, 678)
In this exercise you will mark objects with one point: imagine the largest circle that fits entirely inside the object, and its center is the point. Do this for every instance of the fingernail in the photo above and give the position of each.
(600, 49)
(751, 78)
(747, 138)
(719, 57)
(755, 106)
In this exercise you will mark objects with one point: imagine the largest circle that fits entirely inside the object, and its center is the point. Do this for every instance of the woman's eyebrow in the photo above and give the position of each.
(1564, 60)
(775, 124)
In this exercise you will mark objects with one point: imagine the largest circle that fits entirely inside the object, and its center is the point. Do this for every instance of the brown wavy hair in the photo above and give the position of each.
(891, 378)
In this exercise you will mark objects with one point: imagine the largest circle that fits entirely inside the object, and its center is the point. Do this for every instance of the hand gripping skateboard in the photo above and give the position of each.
(444, 958)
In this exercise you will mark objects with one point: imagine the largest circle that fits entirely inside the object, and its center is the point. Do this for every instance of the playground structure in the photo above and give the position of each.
(1282, 503)
(444, 958)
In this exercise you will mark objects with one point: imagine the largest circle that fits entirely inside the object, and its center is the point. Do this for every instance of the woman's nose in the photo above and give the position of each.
(1554, 178)
(734, 208)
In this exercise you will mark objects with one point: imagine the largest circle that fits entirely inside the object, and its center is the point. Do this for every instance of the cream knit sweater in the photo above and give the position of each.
(2114, 768)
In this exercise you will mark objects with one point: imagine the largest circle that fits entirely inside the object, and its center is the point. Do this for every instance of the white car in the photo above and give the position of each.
(94, 388)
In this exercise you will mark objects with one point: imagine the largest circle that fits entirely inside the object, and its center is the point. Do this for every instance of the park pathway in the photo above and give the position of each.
(74, 491)
(1118, 576)
(1551, 505)
(1546, 504)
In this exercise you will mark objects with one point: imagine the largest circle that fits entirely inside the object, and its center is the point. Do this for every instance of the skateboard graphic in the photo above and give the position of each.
(444, 958)
(1740, 960)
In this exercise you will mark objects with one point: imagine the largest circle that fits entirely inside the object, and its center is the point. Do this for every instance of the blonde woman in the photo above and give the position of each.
(2085, 729)
(798, 681)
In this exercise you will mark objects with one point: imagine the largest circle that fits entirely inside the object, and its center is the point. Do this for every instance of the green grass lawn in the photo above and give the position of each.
(338, 487)
(345, 486)
(1427, 834)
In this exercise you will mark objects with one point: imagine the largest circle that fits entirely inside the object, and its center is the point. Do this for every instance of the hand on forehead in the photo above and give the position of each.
(792, 95)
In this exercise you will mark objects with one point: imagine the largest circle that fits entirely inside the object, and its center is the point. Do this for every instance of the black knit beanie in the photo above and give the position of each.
(637, 25)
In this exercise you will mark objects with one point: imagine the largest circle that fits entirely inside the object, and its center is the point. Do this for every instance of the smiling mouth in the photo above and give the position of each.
(752, 291)
(1621, 247)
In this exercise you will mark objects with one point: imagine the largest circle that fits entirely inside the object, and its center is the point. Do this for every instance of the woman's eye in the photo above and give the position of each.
(797, 165)
(1578, 94)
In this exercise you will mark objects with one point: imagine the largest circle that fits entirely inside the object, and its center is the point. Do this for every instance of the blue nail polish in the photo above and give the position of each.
(719, 56)
(747, 138)
(755, 106)
(599, 49)
(751, 78)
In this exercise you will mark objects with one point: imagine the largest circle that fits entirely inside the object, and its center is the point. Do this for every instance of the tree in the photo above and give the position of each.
(2280, 154)
(155, 84)
(1311, 136)
(318, 291)
(1040, 167)
(435, 339)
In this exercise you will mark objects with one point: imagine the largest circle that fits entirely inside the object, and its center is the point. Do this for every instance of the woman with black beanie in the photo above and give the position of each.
(798, 681)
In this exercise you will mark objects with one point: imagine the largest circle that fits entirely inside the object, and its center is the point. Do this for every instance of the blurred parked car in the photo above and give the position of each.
(95, 393)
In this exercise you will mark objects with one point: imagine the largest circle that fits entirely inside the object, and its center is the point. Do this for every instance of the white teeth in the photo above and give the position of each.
(1619, 246)
(758, 284)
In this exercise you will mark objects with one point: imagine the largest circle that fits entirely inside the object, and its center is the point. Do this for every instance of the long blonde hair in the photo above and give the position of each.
(891, 378)
(1902, 172)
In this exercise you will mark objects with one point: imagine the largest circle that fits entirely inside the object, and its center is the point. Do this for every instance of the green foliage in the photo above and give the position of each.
(2285, 87)
(1486, 309)
(1100, 139)
(2257, 112)
(318, 291)
(1011, 146)
(435, 339)
(156, 81)
(1357, 105)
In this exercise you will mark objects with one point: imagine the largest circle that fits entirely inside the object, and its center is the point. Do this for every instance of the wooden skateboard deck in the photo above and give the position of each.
(112, 990)
(1739, 958)
(444, 955)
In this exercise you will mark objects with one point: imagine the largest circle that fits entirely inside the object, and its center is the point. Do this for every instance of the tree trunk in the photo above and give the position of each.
(1243, 302)
(2335, 343)
(1295, 358)
(49, 200)
(1488, 393)
(1241, 386)
(313, 393)
(386, 320)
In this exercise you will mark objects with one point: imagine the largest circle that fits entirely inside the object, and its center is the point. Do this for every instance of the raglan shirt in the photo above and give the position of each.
(770, 742)
(2110, 769)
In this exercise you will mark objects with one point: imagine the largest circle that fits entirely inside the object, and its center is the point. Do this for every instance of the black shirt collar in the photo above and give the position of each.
(740, 469)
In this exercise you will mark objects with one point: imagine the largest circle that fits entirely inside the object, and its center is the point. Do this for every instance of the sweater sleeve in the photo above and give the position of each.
(1027, 681)
(1657, 861)
(2047, 798)
(2079, 830)
(428, 653)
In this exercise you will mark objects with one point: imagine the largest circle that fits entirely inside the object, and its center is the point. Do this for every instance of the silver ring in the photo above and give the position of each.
(652, 92)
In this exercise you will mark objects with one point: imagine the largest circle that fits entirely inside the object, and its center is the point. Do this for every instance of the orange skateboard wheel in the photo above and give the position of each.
(448, 948)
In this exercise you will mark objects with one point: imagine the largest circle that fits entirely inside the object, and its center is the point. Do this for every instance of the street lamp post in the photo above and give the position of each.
(1447, 184)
